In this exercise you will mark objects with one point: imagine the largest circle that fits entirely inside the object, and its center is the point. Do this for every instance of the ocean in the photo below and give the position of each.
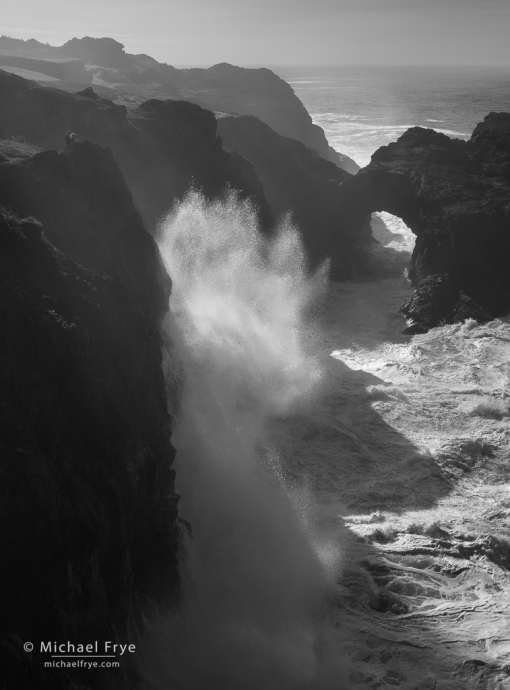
(362, 108)
(336, 473)
(340, 477)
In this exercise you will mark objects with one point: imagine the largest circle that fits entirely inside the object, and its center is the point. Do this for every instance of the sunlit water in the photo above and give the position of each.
(319, 450)
(363, 108)
(300, 432)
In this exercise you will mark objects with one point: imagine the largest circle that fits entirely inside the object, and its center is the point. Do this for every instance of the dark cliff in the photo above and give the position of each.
(162, 148)
(88, 510)
(222, 87)
(297, 180)
(258, 92)
(455, 196)
(165, 147)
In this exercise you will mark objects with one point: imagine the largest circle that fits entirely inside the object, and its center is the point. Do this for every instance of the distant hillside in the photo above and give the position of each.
(46, 69)
(131, 79)
(165, 147)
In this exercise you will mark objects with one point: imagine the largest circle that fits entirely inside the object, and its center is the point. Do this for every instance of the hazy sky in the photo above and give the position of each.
(264, 32)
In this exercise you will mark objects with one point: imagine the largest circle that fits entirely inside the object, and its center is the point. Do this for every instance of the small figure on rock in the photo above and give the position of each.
(70, 138)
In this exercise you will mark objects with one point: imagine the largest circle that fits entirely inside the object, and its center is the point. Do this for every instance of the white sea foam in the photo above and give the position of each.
(453, 99)
(374, 452)
(256, 568)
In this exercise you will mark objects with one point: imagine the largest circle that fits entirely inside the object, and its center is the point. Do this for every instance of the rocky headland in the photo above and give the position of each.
(163, 147)
(455, 197)
(298, 181)
(166, 147)
(88, 509)
(131, 79)
(453, 194)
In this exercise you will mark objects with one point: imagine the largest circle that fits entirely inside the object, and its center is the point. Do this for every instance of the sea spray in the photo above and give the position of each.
(240, 330)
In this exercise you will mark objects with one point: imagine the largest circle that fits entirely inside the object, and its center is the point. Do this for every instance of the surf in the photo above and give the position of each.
(240, 335)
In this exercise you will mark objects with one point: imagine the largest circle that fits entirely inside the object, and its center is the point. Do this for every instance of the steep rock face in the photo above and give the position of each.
(297, 180)
(455, 196)
(163, 148)
(88, 511)
(181, 148)
(489, 147)
(258, 92)
(438, 299)
(343, 161)
(222, 87)
(166, 147)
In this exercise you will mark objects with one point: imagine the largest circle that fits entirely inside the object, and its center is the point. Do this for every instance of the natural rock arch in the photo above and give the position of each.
(455, 196)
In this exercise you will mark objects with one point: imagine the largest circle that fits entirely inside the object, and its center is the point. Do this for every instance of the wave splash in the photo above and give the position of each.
(254, 583)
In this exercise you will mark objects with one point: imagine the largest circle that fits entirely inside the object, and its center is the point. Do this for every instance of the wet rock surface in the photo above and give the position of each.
(438, 300)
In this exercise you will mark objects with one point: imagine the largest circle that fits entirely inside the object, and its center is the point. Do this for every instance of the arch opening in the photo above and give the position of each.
(390, 255)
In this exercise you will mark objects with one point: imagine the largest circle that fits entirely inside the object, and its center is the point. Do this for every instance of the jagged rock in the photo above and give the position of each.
(343, 161)
(87, 503)
(163, 148)
(490, 145)
(90, 93)
(258, 92)
(296, 180)
(414, 328)
(438, 300)
(455, 196)
(222, 87)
